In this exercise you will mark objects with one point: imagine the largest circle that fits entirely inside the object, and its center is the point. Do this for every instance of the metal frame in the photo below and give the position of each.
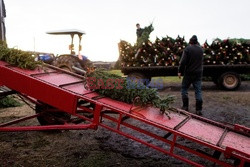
(88, 110)
(72, 33)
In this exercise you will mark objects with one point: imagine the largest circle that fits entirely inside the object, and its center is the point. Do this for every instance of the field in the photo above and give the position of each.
(102, 148)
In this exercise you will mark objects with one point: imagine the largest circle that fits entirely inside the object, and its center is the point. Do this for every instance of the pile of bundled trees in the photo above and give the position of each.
(227, 52)
(167, 51)
(163, 52)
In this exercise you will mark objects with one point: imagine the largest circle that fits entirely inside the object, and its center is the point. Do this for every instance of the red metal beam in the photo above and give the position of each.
(18, 120)
(49, 127)
(38, 89)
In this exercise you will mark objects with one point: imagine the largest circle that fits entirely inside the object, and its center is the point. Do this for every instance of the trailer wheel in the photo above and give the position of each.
(138, 77)
(230, 81)
(49, 117)
(66, 62)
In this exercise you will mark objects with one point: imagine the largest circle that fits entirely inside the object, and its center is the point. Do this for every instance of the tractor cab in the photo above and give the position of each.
(73, 61)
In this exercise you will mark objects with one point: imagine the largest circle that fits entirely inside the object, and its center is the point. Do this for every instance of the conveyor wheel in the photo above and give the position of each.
(50, 115)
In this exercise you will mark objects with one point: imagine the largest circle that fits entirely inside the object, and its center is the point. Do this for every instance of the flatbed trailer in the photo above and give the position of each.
(63, 102)
(224, 76)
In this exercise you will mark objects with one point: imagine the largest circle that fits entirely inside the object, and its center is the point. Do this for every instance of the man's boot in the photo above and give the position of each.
(185, 104)
(198, 107)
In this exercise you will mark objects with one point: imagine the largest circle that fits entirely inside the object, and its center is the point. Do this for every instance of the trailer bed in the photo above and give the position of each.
(208, 70)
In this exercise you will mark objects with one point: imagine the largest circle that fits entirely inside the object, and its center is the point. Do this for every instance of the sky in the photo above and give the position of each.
(106, 22)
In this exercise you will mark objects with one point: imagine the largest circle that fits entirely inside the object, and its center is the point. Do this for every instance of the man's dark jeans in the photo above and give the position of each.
(195, 80)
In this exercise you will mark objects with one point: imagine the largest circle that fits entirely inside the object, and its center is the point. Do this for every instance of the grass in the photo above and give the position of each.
(9, 101)
(245, 77)
(169, 79)
(175, 79)
(117, 72)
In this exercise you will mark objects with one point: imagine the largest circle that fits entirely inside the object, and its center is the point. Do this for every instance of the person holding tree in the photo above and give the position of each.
(191, 68)
(139, 31)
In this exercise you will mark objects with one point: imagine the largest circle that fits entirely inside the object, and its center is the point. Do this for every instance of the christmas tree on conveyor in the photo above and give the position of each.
(122, 89)
(18, 58)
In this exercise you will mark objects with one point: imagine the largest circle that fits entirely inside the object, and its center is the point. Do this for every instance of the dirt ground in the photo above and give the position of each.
(103, 148)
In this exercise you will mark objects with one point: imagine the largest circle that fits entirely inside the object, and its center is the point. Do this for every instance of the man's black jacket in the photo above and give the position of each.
(191, 61)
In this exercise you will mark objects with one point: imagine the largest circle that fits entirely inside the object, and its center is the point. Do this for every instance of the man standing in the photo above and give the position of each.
(139, 31)
(191, 68)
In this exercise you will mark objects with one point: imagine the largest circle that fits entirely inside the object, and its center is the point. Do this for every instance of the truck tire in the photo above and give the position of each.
(48, 117)
(139, 77)
(230, 81)
(66, 62)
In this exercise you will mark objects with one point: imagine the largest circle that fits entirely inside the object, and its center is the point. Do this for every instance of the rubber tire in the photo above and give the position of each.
(50, 118)
(67, 62)
(140, 76)
(230, 81)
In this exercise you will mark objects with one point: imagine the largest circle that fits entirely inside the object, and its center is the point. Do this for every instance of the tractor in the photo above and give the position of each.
(71, 62)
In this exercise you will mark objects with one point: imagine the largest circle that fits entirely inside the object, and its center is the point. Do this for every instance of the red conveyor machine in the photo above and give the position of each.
(62, 102)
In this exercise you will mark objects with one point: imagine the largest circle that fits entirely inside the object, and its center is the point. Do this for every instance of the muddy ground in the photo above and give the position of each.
(104, 148)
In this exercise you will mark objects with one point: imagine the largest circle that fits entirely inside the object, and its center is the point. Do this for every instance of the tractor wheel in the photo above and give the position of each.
(50, 115)
(66, 62)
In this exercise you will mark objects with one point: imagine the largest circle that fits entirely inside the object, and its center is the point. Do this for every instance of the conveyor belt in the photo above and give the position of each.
(64, 90)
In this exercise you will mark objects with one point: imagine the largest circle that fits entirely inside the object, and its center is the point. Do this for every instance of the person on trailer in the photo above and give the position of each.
(139, 31)
(191, 68)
